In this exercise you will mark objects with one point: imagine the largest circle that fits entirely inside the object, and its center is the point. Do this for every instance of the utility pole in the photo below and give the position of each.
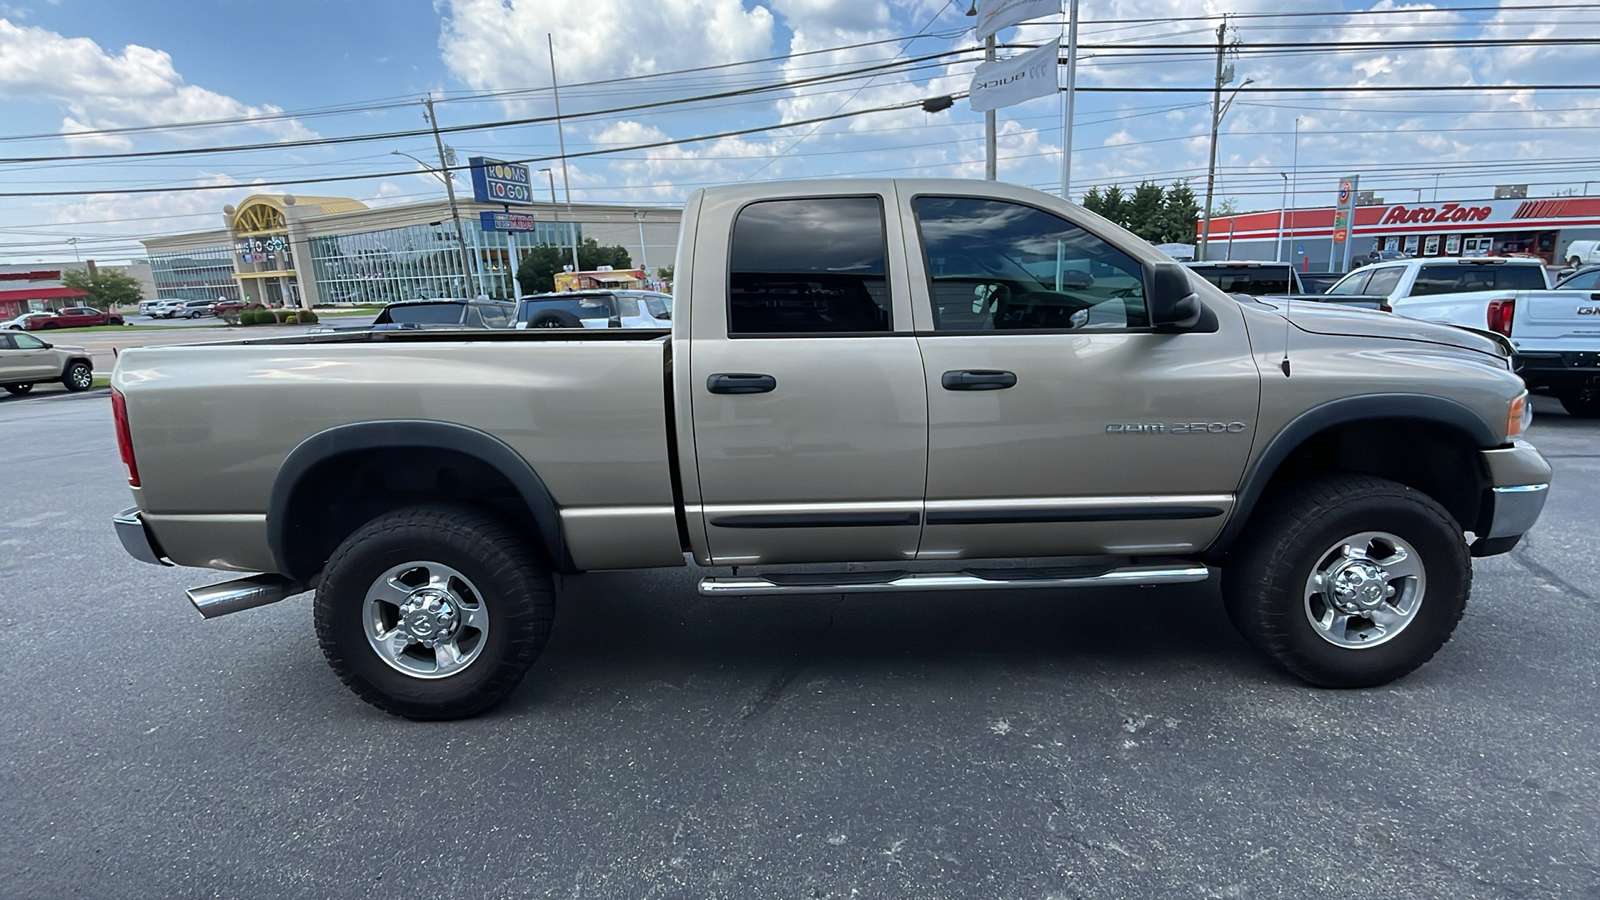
(448, 178)
(1069, 106)
(566, 184)
(1216, 122)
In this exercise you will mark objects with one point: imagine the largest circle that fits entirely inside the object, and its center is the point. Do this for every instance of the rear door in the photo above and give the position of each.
(806, 386)
(1059, 422)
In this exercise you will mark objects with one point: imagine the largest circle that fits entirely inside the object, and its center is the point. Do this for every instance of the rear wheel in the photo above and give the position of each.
(433, 612)
(18, 389)
(1349, 581)
(1582, 403)
(78, 377)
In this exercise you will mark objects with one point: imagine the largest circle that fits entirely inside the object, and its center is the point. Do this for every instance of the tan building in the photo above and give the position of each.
(291, 250)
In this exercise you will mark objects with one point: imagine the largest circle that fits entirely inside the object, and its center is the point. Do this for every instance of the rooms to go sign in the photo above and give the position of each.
(494, 181)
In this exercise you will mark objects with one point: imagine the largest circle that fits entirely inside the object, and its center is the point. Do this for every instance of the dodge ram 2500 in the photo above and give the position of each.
(917, 375)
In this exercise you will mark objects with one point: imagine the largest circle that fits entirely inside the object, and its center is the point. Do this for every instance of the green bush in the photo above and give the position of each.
(249, 317)
(307, 317)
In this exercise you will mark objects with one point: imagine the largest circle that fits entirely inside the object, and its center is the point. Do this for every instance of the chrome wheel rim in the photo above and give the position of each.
(425, 619)
(82, 376)
(1364, 590)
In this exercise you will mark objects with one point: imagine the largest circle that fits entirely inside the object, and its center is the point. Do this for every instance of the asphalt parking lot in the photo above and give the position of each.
(1031, 744)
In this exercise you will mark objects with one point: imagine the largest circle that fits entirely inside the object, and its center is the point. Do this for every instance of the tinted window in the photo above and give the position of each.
(495, 316)
(5, 342)
(1257, 281)
(1354, 283)
(569, 310)
(995, 265)
(1583, 281)
(658, 306)
(1454, 279)
(809, 266)
(1384, 281)
(423, 314)
(27, 342)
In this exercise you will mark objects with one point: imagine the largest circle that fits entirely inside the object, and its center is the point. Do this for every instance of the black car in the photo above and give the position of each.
(447, 312)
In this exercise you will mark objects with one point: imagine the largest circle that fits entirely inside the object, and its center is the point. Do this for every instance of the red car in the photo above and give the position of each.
(222, 306)
(72, 317)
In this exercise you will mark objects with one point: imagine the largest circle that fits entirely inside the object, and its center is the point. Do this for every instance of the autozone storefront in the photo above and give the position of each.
(1542, 228)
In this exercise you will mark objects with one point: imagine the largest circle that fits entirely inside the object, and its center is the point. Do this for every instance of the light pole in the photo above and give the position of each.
(555, 213)
(75, 255)
(1294, 172)
(450, 189)
(644, 255)
(1283, 208)
(989, 166)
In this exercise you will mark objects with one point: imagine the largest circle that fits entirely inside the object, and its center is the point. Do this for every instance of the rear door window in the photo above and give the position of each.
(1354, 283)
(809, 266)
(1384, 281)
(1455, 279)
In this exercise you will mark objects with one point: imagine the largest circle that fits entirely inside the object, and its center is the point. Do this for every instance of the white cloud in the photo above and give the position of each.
(101, 90)
(498, 45)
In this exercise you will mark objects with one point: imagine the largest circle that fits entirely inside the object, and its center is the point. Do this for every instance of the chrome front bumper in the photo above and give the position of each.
(136, 539)
(1516, 509)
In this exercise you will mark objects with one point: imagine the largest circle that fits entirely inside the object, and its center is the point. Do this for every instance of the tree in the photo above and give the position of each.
(1143, 212)
(1180, 214)
(537, 271)
(1114, 204)
(106, 290)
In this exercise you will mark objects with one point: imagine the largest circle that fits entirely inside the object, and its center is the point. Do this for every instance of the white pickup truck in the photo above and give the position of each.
(1555, 333)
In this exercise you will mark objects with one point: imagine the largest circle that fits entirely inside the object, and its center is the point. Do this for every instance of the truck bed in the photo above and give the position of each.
(214, 423)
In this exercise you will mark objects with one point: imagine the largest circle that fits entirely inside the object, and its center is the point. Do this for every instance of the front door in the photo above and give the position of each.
(1060, 423)
(26, 358)
(806, 387)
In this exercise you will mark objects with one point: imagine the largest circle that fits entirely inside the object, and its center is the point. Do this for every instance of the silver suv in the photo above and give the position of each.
(25, 361)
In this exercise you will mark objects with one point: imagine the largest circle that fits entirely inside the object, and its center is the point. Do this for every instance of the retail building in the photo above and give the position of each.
(289, 250)
(1542, 228)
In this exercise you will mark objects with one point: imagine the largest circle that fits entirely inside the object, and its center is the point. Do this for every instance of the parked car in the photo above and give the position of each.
(1582, 253)
(1554, 333)
(447, 312)
(80, 317)
(869, 371)
(221, 306)
(596, 309)
(163, 309)
(147, 307)
(1397, 280)
(20, 323)
(1318, 282)
(1245, 276)
(26, 360)
(191, 309)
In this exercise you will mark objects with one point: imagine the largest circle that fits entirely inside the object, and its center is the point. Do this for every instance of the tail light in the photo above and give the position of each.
(1500, 313)
(119, 412)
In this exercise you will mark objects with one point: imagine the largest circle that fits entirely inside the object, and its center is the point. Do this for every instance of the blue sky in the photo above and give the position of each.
(71, 65)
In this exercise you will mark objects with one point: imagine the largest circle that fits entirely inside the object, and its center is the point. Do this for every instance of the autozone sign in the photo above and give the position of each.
(1449, 212)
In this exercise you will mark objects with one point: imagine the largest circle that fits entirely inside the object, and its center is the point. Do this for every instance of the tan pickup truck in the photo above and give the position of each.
(961, 385)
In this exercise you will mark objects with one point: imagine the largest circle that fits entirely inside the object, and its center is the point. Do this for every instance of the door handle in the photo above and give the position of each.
(740, 383)
(978, 380)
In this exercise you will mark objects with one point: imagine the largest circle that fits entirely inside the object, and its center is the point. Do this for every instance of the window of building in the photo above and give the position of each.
(809, 266)
(994, 265)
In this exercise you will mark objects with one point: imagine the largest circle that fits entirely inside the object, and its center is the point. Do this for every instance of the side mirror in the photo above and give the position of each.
(48, 345)
(665, 314)
(1173, 303)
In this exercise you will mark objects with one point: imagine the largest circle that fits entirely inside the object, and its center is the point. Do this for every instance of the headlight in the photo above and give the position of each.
(1519, 416)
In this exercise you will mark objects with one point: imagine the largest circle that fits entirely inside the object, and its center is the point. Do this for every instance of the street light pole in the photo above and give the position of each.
(1069, 106)
(1283, 208)
(555, 213)
(644, 255)
(561, 138)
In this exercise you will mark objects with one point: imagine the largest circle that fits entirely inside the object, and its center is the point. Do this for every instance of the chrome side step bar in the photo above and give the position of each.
(988, 579)
(241, 594)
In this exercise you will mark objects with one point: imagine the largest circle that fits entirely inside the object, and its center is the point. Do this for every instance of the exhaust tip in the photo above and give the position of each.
(241, 594)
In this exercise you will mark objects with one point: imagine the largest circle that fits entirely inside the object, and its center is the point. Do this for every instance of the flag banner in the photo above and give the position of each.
(1007, 82)
(994, 15)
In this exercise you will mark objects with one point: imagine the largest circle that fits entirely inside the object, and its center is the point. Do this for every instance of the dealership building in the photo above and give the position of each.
(291, 250)
(1543, 228)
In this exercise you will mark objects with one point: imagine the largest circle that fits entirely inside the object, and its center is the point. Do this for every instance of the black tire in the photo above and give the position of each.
(512, 585)
(1581, 403)
(79, 376)
(48, 326)
(19, 389)
(555, 318)
(1265, 583)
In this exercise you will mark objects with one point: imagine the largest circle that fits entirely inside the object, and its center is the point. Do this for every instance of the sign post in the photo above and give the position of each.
(1344, 216)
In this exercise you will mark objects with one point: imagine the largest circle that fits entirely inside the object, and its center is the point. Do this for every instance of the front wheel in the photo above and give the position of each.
(1581, 403)
(433, 612)
(78, 377)
(1349, 580)
(18, 389)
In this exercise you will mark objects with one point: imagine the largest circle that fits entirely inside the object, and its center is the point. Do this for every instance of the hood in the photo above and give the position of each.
(1351, 321)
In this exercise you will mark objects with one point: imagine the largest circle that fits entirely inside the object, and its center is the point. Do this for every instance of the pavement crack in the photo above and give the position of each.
(773, 692)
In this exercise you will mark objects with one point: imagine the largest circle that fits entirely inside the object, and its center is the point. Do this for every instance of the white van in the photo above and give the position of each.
(1581, 253)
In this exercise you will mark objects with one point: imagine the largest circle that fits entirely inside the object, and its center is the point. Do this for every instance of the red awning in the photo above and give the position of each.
(55, 293)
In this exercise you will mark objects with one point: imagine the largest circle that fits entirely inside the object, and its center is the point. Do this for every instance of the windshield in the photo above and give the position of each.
(580, 306)
(421, 314)
(1257, 281)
